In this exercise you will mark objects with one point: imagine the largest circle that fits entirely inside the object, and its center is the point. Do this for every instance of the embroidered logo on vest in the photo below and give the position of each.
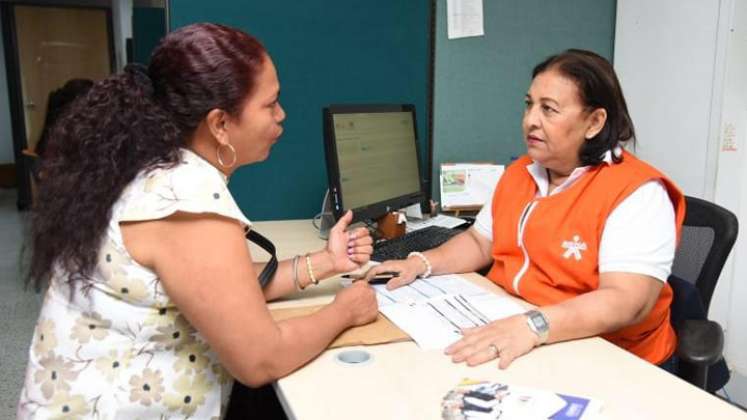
(574, 248)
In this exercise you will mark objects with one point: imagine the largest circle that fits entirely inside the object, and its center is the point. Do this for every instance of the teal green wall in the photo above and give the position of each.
(326, 51)
(480, 82)
(148, 27)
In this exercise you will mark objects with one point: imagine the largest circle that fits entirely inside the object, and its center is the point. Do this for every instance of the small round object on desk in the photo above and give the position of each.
(353, 357)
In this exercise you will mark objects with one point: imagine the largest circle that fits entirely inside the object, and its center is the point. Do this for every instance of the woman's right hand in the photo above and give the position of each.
(408, 270)
(359, 302)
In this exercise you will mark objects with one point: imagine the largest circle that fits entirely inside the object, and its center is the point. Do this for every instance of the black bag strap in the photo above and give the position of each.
(268, 273)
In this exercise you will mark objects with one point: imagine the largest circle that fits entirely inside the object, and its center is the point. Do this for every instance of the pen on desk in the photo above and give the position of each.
(380, 278)
(362, 276)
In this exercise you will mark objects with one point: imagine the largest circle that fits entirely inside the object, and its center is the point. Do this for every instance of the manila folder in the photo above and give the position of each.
(378, 332)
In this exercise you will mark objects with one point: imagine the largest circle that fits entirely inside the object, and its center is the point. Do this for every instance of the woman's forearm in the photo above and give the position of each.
(298, 340)
(604, 310)
(284, 281)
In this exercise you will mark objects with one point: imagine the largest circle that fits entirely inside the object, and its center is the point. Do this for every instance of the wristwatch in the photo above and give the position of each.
(538, 324)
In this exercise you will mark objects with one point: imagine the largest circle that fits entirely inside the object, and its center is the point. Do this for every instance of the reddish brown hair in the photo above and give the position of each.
(128, 123)
(202, 67)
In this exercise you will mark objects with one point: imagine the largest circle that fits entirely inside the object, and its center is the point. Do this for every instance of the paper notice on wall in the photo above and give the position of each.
(729, 140)
(731, 182)
(465, 18)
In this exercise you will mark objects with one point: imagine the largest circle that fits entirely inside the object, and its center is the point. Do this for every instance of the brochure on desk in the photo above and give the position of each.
(472, 400)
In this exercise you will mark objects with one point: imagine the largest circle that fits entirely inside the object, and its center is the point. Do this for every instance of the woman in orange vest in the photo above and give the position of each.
(578, 227)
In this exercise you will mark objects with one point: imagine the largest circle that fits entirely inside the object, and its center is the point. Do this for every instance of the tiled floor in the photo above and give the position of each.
(18, 307)
(736, 390)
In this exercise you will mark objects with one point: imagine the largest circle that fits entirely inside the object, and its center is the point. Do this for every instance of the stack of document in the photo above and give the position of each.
(433, 311)
(442, 220)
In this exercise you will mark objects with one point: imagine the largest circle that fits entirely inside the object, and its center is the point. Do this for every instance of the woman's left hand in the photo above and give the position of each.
(504, 339)
(348, 250)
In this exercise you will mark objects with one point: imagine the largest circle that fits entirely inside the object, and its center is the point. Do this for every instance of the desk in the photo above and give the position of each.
(404, 382)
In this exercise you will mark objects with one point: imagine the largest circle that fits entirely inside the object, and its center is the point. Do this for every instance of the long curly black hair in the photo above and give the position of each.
(56, 103)
(131, 122)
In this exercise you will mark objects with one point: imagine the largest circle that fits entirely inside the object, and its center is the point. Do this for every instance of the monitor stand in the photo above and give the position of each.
(327, 217)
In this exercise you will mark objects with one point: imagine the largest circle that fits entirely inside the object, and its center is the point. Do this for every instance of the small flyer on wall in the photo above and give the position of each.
(468, 185)
(464, 18)
(472, 400)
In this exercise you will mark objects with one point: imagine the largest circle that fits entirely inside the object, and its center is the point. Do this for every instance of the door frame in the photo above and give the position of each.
(13, 70)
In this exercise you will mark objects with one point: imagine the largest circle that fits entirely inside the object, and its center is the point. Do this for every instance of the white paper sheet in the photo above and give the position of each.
(468, 184)
(421, 290)
(443, 220)
(465, 18)
(414, 211)
(433, 311)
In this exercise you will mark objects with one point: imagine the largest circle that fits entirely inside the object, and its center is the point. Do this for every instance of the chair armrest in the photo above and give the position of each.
(701, 342)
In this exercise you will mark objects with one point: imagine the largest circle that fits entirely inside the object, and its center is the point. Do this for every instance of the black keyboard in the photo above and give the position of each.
(418, 240)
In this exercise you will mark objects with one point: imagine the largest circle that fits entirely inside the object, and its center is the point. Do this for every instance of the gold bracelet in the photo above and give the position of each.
(295, 273)
(310, 270)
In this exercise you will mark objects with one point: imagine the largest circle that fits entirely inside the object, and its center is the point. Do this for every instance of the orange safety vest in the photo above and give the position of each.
(546, 249)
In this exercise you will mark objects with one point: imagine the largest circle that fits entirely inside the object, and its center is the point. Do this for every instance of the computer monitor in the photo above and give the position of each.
(372, 159)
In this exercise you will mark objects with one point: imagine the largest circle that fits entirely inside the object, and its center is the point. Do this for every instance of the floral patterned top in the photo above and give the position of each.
(120, 348)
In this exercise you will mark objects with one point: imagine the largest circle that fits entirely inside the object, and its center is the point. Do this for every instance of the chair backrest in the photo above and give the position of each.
(708, 234)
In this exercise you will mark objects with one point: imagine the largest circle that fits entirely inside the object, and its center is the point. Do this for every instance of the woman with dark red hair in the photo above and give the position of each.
(154, 302)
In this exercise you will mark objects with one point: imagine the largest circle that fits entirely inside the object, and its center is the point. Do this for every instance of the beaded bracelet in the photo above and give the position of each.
(428, 267)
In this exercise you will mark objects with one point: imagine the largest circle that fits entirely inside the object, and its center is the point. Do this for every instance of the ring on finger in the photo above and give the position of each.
(494, 350)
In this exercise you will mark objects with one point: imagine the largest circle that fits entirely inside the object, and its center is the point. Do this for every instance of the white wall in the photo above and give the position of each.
(664, 52)
(731, 181)
(6, 136)
(683, 67)
(122, 29)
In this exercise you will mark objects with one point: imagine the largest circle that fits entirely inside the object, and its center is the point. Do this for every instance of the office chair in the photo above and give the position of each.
(708, 234)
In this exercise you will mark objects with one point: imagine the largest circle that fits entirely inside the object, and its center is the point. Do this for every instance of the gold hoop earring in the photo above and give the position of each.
(220, 159)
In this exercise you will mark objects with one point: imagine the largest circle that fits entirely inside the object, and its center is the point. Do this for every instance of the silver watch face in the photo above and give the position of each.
(538, 320)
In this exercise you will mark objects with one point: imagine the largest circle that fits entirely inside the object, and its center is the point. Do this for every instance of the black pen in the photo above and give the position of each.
(380, 278)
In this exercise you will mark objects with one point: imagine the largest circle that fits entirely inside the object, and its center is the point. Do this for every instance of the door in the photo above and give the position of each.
(53, 44)
(56, 44)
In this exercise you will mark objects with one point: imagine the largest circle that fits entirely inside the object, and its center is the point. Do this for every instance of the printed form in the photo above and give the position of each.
(434, 310)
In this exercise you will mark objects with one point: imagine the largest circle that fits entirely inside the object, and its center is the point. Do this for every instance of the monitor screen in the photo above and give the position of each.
(372, 159)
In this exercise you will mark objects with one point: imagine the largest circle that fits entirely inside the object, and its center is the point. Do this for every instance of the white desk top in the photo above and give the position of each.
(403, 382)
